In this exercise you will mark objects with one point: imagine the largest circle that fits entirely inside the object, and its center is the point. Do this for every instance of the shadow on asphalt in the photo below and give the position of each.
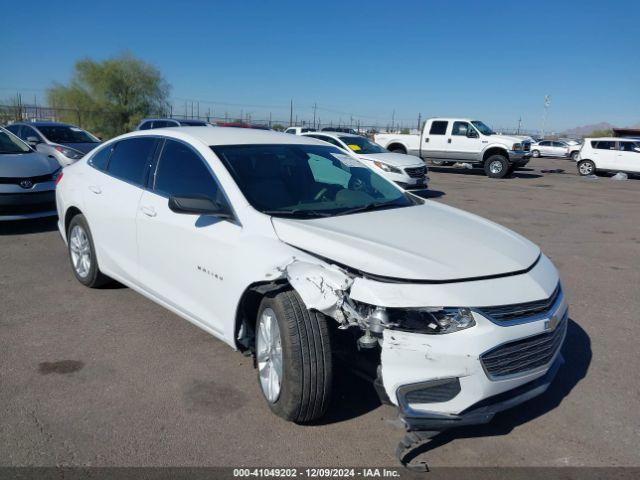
(428, 193)
(520, 173)
(577, 355)
(23, 227)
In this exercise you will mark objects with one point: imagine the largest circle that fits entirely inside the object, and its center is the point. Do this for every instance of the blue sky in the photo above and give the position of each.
(491, 60)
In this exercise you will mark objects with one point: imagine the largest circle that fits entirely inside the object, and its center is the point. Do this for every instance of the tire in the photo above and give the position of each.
(574, 155)
(306, 364)
(82, 254)
(496, 166)
(535, 153)
(586, 167)
(398, 150)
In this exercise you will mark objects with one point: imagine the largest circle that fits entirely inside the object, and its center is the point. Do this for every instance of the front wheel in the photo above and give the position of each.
(586, 167)
(293, 355)
(496, 166)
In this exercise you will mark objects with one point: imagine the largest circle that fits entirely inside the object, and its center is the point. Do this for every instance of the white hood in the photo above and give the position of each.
(506, 140)
(394, 159)
(424, 242)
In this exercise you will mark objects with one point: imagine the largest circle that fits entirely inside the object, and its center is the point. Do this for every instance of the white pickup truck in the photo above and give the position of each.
(446, 141)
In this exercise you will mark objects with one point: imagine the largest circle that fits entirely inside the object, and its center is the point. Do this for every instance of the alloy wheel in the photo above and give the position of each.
(495, 167)
(80, 249)
(269, 355)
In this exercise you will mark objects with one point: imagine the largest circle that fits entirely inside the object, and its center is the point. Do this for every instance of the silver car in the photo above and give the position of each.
(552, 148)
(62, 141)
(27, 180)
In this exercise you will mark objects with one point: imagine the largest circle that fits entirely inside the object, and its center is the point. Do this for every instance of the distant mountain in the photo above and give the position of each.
(587, 129)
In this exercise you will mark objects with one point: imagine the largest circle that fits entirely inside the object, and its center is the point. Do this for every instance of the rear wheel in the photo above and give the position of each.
(496, 166)
(535, 153)
(293, 355)
(574, 155)
(82, 254)
(586, 167)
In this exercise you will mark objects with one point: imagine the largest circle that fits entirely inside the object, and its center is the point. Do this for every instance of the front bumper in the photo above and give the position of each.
(21, 204)
(483, 411)
(519, 157)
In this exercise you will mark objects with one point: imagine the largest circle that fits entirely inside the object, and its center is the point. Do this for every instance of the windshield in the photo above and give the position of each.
(12, 144)
(66, 134)
(307, 181)
(482, 128)
(362, 145)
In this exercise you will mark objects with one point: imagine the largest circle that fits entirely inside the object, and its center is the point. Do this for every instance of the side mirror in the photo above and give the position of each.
(471, 133)
(198, 206)
(33, 141)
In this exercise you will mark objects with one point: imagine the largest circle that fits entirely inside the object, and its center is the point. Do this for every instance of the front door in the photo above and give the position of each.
(185, 259)
(465, 143)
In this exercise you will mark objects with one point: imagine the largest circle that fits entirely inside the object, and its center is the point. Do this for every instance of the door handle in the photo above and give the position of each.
(149, 211)
(95, 189)
(426, 140)
(449, 141)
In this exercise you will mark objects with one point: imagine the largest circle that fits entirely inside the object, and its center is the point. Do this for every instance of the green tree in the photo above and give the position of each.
(600, 133)
(277, 127)
(112, 96)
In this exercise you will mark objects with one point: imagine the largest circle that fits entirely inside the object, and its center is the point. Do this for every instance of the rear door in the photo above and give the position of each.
(113, 190)
(435, 142)
(464, 142)
(605, 154)
(185, 259)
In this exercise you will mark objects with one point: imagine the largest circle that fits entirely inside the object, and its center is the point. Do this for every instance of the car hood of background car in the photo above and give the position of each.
(26, 165)
(394, 159)
(82, 147)
(430, 242)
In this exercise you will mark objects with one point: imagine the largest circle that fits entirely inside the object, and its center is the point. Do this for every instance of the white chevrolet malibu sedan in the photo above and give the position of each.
(285, 248)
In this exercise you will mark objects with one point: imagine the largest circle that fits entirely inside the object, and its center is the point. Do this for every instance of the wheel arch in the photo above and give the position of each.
(68, 216)
(494, 151)
(396, 145)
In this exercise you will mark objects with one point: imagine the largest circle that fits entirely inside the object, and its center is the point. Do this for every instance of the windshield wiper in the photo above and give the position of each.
(297, 213)
(369, 207)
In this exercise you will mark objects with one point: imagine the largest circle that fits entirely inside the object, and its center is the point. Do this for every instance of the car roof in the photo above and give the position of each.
(45, 124)
(227, 136)
(610, 139)
(159, 118)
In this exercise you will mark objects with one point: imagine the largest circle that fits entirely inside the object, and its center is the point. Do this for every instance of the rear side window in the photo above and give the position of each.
(145, 126)
(130, 158)
(15, 129)
(101, 158)
(604, 145)
(629, 147)
(181, 171)
(438, 128)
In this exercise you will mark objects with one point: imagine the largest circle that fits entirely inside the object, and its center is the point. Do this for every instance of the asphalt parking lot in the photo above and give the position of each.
(106, 377)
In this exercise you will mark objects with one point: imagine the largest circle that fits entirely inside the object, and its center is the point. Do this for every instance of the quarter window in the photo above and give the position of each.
(181, 171)
(438, 128)
(130, 158)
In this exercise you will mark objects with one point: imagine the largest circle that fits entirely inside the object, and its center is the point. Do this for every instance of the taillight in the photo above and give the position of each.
(59, 177)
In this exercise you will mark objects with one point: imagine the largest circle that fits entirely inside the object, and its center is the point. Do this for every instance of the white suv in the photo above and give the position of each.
(281, 246)
(609, 154)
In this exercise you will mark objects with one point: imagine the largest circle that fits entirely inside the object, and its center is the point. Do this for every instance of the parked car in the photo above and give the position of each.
(339, 129)
(242, 125)
(275, 245)
(406, 170)
(27, 180)
(609, 155)
(553, 148)
(299, 130)
(445, 141)
(150, 123)
(63, 141)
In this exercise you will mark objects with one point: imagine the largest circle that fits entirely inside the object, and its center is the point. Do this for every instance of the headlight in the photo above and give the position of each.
(69, 152)
(427, 320)
(517, 146)
(386, 167)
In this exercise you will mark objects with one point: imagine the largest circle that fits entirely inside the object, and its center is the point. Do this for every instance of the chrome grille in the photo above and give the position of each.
(16, 180)
(524, 355)
(416, 172)
(503, 314)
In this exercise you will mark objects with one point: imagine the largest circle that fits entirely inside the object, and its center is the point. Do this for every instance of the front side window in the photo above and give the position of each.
(66, 134)
(307, 181)
(630, 147)
(182, 172)
(15, 129)
(131, 157)
(11, 144)
(438, 128)
(460, 128)
(362, 145)
(145, 126)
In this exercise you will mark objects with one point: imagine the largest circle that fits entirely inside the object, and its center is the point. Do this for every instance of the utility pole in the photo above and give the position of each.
(419, 121)
(315, 106)
(519, 125)
(291, 113)
(393, 119)
(547, 102)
